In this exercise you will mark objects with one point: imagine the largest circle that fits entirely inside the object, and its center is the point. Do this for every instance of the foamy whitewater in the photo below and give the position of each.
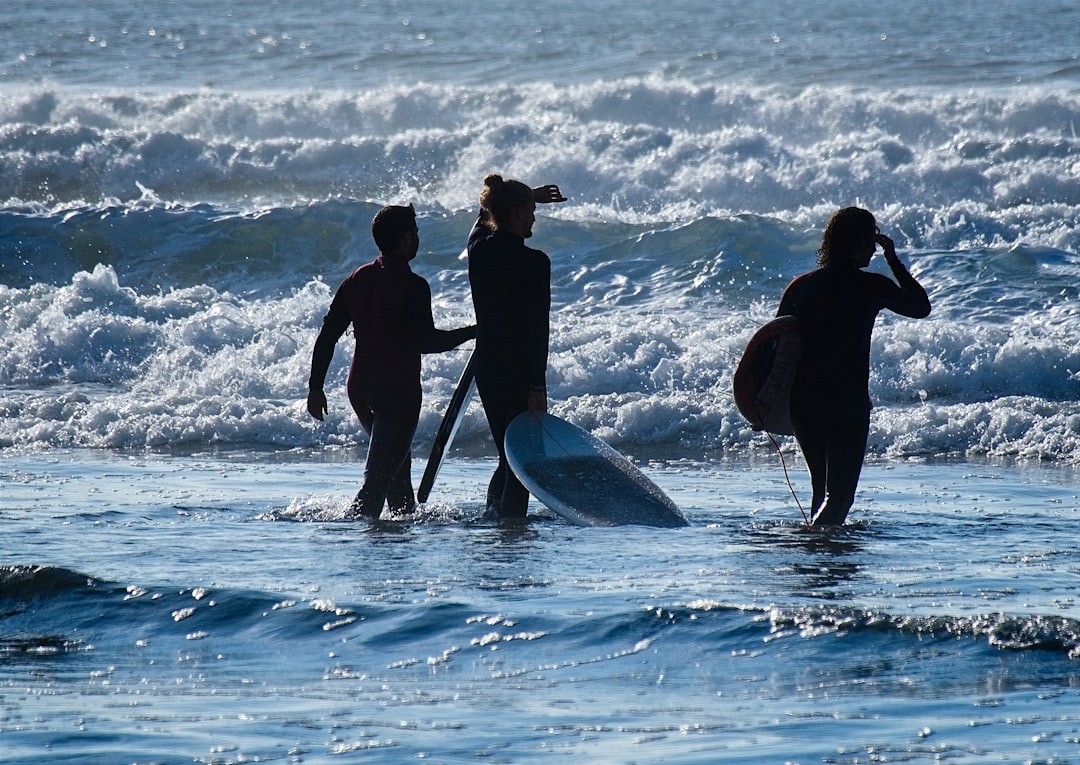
(181, 190)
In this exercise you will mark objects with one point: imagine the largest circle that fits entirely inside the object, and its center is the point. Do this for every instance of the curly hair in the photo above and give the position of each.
(500, 198)
(847, 228)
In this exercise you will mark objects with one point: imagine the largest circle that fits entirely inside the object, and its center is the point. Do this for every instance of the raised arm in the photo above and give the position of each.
(910, 299)
(483, 227)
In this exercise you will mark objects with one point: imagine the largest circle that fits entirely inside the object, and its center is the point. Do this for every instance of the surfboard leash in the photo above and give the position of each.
(783, 464)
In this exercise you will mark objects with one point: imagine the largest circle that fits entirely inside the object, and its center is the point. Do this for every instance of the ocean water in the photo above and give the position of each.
(181, 189)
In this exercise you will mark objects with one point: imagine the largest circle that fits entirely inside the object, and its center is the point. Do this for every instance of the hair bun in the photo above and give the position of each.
(493, 180)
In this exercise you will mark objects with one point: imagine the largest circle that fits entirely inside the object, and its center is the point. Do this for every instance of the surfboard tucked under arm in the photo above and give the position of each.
(765, 373)
(583, 479)
(459, 402)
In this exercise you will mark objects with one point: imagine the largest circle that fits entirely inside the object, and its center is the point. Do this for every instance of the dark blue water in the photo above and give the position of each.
(195, 616)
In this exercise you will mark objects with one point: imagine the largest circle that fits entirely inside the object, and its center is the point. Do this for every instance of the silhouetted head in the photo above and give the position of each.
(846, 236)
(390, 225)
(509, 204)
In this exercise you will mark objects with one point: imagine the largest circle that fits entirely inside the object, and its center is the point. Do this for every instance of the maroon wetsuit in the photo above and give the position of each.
(830, 400)
(389, 308)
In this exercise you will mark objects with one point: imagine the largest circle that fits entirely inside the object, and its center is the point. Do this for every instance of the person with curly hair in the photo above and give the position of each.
(836, 305)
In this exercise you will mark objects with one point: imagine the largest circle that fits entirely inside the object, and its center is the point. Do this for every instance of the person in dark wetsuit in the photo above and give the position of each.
(511, 290)
(837, 305)
(389, 308)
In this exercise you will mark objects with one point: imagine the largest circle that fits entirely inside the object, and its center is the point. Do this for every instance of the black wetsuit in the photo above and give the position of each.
(830, 400)
(511, 290)
(389, 308)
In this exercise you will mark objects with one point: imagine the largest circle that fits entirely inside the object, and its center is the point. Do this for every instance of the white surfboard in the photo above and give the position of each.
(583, 479)
(459, 402)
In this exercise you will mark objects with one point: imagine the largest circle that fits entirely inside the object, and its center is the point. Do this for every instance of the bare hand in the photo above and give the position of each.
(316, 404)
(537, 402)
(887, 246)
(547, 194)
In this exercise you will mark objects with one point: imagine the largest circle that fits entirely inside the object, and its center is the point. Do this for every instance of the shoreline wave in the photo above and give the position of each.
(65, 602)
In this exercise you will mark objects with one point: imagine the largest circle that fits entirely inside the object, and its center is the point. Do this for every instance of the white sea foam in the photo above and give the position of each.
(985, 168)
(168, 249)
(94, 363)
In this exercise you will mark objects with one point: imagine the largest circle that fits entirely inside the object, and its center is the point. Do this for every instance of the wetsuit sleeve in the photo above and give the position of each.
(907, 297)
(429, 339)
(539, 322)
(334, 325)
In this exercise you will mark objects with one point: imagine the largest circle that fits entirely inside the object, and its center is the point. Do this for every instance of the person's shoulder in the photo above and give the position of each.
(876, 279)
(809, 276)
(349, 279)
(481, 232)
(360, 271)
(483, 241)
(537, 262)
(358, 276)
(416, 281)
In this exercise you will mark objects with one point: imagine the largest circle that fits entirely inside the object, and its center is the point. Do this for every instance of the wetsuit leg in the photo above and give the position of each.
(387, 470)
(811, 431)
(846, 451)
(833, 442)
(506, 497)
(400, 497)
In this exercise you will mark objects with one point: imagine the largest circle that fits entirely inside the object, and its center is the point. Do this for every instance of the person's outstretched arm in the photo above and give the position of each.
(429, 338)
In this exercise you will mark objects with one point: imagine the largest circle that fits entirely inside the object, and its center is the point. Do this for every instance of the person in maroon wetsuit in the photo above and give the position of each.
(836, 305)
(511, 290)
(389, 308)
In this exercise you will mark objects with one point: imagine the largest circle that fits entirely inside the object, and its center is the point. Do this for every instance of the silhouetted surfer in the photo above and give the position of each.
(389, 308)
(511, 290)
(837, 304)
